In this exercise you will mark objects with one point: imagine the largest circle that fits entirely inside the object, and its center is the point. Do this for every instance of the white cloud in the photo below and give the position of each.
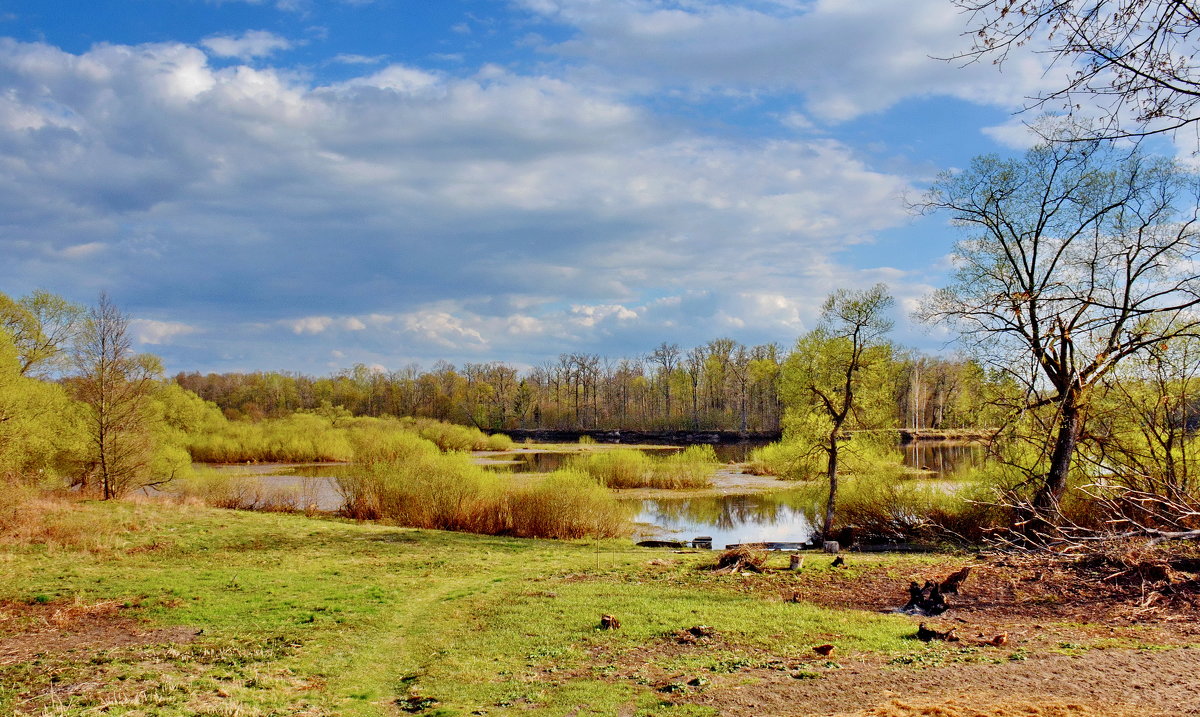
(848, 58)
(309, 324)
(352, 59)
(81, 251)
(149, 331)
(412, 213)
(248, 45)
(321, 324)
(443, 330)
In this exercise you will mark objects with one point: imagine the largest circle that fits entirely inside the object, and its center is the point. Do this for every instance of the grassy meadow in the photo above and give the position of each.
(184, 609)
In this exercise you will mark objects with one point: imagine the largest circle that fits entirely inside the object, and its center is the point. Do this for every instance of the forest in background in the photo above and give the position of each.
(721, 385)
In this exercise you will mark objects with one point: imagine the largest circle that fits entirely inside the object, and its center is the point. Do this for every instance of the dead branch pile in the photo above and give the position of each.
(742, 559)
(1117, 516)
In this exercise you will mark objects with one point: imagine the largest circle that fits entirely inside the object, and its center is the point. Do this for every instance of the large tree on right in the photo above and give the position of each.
(1134, 63)
(1077, 256)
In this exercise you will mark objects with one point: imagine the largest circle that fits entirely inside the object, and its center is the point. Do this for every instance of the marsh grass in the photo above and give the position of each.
(54, 520)
(565, 504)
(631, 468)
(404, 479)
(225, 488)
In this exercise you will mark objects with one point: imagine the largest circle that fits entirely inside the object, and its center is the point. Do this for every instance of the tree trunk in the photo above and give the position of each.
(832, 473)
(1060, 460)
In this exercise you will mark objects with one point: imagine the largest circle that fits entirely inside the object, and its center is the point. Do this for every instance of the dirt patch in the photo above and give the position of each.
(31, 630)
(1035, 637)
(1099, 682)
(1039, 603)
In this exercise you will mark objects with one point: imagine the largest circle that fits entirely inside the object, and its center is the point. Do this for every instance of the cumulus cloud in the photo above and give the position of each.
(149, 331)
(848, 58)
(321, 324)
(248, 45)
(411, 212)
(353, 59)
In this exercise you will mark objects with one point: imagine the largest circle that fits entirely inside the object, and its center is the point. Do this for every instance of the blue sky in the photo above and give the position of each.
(308, 184)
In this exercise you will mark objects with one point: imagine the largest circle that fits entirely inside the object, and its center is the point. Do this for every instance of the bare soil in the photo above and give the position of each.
(1035, 638)
(28, 631)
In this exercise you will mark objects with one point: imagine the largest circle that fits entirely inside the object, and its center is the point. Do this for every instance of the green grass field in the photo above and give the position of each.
(275, 614)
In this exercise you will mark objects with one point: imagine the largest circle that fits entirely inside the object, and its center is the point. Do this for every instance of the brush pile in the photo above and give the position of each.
(742, 559)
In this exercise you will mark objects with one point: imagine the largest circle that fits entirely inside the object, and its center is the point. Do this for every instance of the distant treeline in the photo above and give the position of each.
(721, 385)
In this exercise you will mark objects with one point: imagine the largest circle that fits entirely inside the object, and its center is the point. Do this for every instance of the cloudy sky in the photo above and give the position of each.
(307, 184)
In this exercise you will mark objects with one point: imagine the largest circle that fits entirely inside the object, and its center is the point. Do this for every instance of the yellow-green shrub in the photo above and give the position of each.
(631, 468)
(405, 479)
(566, 504)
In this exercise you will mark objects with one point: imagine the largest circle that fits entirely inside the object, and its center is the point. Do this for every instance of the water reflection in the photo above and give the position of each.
(940, 457)
(771, 517)
(943, 457)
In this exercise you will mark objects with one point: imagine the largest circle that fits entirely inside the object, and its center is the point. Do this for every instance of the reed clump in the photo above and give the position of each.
(566, 505)
(690, 468)
(631, 468)
(405, 479)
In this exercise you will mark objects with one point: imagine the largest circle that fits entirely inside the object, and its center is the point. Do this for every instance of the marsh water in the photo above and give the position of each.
(739, 518)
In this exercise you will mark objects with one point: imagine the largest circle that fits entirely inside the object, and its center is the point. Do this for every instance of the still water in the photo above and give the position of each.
(727, 519)
(939, 457)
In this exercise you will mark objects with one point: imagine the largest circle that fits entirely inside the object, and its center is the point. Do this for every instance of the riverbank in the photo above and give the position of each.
(131, 608)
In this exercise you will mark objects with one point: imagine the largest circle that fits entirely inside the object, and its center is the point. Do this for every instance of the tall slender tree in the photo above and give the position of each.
(833, 379)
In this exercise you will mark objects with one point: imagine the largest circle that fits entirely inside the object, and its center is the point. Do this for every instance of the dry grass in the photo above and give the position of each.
(32, 517)
(404, 479)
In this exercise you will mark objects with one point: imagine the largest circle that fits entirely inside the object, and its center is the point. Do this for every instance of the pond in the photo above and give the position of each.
(939, 457)
(728, 519)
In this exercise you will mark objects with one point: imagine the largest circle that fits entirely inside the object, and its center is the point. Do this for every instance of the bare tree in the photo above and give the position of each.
(115, 384)
(693, 364)
(667, 357)
(1078, 257)
(1133, 60)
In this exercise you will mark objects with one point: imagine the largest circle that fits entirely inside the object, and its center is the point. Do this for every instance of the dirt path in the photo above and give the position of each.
(1098, 682)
